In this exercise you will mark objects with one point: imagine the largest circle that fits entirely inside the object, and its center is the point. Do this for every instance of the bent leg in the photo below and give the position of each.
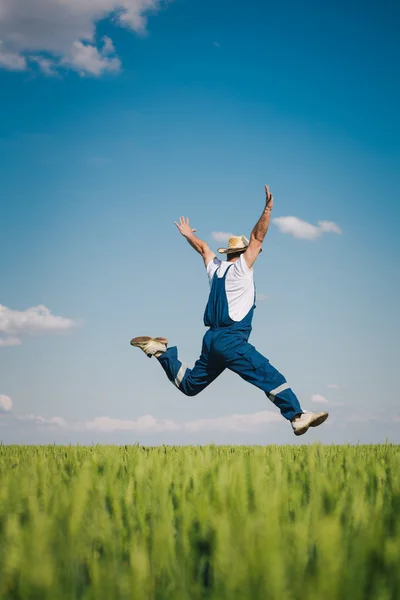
(190, 381)
(256, 369)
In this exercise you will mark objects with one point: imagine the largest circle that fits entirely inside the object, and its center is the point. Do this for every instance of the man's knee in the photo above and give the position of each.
(189, 390)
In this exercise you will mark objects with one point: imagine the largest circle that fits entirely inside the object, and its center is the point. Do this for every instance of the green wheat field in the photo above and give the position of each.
(185, 523)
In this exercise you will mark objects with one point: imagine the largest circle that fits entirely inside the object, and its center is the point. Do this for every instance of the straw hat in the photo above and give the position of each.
(235, 244)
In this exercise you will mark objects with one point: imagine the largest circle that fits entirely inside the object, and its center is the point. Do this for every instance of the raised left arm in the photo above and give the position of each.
(259, 231)
(196, 243)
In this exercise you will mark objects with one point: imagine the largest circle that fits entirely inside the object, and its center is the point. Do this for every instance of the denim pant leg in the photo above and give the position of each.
(189, 381)
(257, 370)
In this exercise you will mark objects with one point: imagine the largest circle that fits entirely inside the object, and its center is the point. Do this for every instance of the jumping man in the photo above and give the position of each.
(228, 315)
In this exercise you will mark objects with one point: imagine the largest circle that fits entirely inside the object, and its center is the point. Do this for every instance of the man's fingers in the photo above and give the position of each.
(183, 223)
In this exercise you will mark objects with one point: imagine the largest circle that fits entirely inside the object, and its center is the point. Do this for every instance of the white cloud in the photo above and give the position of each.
(38, 319)
(296, 227)
(333, 386)
(55, 421)
(86, 58)
(221, 236)
(12, 60)
(9, 341)
(318, 399)
(149, 424)
(47, 66)
(261, 297)
(145, 424)
(329, 227)
(303, 230)
(6, 404)
(65, 32)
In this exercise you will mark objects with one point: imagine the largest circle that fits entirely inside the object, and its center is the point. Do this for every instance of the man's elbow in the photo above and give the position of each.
(256, 241)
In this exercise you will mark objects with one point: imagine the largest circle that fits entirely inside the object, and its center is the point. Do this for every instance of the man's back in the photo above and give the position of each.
(239, 285)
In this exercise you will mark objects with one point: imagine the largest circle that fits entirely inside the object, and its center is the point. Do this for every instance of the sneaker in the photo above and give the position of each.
(301, 423)
(149, 345)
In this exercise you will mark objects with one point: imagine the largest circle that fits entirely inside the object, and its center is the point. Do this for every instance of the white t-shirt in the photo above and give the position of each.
(239, 285)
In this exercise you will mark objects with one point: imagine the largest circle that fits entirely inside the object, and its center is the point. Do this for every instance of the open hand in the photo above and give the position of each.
(269, 199)
(184, 227)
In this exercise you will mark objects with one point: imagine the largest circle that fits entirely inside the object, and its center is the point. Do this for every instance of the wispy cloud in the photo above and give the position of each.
(145, 424)
(55, 35)
(6, 407)
(303, 230)
(6, 404)
(88, 59)
(9, 341)
(38, 420)
(262, 297)
(12, 61)
(221, 236)
(329, 227)
(333, 386)
(318, 399)
(149, 424)
(46, 65)
(38, 319)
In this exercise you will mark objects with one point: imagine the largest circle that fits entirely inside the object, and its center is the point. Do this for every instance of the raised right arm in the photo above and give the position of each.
(196, 243)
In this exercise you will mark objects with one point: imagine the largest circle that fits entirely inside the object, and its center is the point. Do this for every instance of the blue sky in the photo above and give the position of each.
(117, 119)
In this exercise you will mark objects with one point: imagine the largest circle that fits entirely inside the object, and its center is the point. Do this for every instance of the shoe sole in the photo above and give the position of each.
(317, 421)
(138, 341)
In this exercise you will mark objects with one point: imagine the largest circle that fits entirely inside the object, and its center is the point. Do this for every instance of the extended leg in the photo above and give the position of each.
(256, 369)
(190, 381)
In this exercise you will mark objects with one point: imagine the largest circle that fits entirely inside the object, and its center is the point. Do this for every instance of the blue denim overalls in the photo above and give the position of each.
(225, 346)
